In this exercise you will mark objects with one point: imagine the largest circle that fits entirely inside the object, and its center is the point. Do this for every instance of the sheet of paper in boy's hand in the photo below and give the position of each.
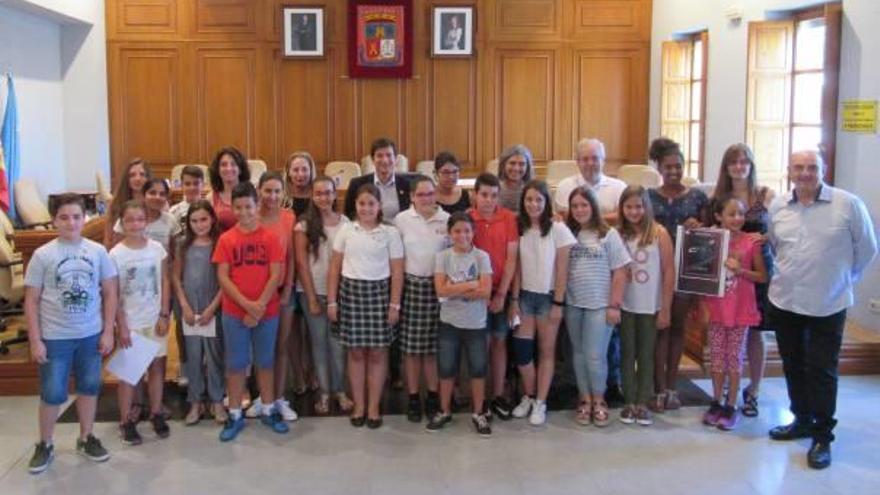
(207, 330)
(129, 365)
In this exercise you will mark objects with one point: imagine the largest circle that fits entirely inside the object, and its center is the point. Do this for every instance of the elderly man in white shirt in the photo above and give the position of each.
(590, 156)
(824, 239)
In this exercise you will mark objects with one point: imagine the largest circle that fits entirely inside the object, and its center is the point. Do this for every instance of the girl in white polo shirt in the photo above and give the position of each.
(366, 274)
(543, 273)
(423, 230)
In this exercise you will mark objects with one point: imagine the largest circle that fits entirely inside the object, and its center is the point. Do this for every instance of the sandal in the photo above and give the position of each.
(658, 405)
(750, 404)
(600, 414)
(584, 413)
(345, 404)
(323, 405)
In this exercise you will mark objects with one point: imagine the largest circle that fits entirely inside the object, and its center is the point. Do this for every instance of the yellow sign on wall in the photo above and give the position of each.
(860, 116)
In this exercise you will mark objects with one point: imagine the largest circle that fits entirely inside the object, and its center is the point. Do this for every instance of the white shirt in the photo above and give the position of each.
(388, 192)
(319, 262)
(537, 256)
(821, 250)
(607, 190)
(140, 282)
(367, 253)
(422, 239)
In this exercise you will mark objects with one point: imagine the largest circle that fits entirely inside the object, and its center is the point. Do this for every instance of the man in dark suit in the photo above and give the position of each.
(393, 187)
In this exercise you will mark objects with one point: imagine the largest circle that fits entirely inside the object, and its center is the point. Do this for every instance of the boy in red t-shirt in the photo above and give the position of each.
(496, 233)
(249, 258)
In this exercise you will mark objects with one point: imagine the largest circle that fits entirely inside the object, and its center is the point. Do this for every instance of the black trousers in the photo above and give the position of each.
(810, 350)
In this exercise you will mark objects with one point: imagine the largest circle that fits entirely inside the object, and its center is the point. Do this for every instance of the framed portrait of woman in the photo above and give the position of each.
(453, 32)
(303, 32)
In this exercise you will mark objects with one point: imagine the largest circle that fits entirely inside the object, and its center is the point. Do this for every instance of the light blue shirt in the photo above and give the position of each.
(821, 250)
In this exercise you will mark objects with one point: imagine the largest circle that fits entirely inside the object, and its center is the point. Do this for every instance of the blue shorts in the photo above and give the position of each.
(497, 324)
(239, 340)
(450, 341)
(535, 304)
(82, 356)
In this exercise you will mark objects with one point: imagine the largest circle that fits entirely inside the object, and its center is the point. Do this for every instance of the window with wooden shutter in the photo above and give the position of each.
(683, 99)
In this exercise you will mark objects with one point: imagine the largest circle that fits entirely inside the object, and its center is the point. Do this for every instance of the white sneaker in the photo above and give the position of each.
(539, 413)
(255, 410)
(287, 412)
(523, 408)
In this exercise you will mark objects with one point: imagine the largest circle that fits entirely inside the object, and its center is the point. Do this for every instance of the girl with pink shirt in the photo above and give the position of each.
(731, 315)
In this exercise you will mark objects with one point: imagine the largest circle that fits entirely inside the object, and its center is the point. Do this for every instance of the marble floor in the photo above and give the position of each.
(325, 456)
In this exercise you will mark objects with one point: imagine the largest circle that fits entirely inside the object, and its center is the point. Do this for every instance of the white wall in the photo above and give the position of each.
(726, 97)
(30, 46)
(57, 52)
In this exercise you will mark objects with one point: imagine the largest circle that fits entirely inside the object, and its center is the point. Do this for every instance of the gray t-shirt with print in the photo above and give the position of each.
(463, 267)
(69, 275)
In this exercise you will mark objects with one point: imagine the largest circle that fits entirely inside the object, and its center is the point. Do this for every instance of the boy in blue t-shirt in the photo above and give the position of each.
(70, 306)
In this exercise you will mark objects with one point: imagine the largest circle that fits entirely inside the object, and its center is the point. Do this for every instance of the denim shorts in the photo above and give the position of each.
(450, 341)
(80, 355)
(238, 340)
(534, 304)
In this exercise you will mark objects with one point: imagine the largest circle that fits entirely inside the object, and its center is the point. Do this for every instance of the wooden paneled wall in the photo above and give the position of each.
(187, 77)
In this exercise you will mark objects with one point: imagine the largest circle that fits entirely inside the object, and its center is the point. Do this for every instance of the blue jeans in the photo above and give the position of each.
(239, 340)
(450, 340)
(589, 334)
(327, 352)
(82, 356)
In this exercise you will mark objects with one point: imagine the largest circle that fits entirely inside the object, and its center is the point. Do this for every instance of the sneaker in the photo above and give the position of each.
(501, 408)
(43, 455)
(658, 403)
(160, 426)
(711, 416)
(523, 408)
(481, 425)
(231, 429)
(643, 416)
(414, 409)
(275, 422)
(728, 419)
(538, 415)
(432, 404)
(256, 409)
(286, 411)
(92, 449)
(438, 422)
(628, 415)
(129, 433)
(672, 401)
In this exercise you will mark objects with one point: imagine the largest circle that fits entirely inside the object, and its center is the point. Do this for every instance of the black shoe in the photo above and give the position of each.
(819, 456)
(129, 434)
(432, 404)
(414, 409)
(92, 449)
(357, 421)
(374, 424)
(43, 455)
(793, 431)
(438, 421)
(481, 425)
(614, 396)
(160, 426)
(501, 408)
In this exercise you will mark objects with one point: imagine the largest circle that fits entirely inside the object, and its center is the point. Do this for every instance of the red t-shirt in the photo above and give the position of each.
(283, 228)
(225, 216)
(493, 236)
(249, 255)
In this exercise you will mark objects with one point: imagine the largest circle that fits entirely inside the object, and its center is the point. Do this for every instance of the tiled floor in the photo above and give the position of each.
(325, 455)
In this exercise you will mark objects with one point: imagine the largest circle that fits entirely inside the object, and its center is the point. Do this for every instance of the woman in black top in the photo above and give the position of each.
(450, 196)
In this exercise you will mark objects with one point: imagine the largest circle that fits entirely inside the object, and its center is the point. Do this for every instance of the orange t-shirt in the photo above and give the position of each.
(249, 255)
(493, 235)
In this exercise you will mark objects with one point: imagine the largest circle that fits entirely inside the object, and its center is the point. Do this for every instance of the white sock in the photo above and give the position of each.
(268, 409)
(235, 414)
(279, 403)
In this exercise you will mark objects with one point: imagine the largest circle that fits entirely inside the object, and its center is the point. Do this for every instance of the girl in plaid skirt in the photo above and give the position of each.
(364, 287)
(423, 230)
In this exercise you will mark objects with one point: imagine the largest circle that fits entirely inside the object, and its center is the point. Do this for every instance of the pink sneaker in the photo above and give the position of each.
(728, 419)
(711, 416)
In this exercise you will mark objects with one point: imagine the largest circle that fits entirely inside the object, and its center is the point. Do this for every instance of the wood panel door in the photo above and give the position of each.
(145, 102)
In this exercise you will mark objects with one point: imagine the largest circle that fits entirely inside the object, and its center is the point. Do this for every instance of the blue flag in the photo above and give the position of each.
(11, 151)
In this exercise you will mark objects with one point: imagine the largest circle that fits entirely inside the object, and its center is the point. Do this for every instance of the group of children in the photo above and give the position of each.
(442, 284)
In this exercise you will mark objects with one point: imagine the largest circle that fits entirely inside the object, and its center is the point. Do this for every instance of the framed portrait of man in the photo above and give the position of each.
(303, 32)
(699, 260)
(453, 32)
